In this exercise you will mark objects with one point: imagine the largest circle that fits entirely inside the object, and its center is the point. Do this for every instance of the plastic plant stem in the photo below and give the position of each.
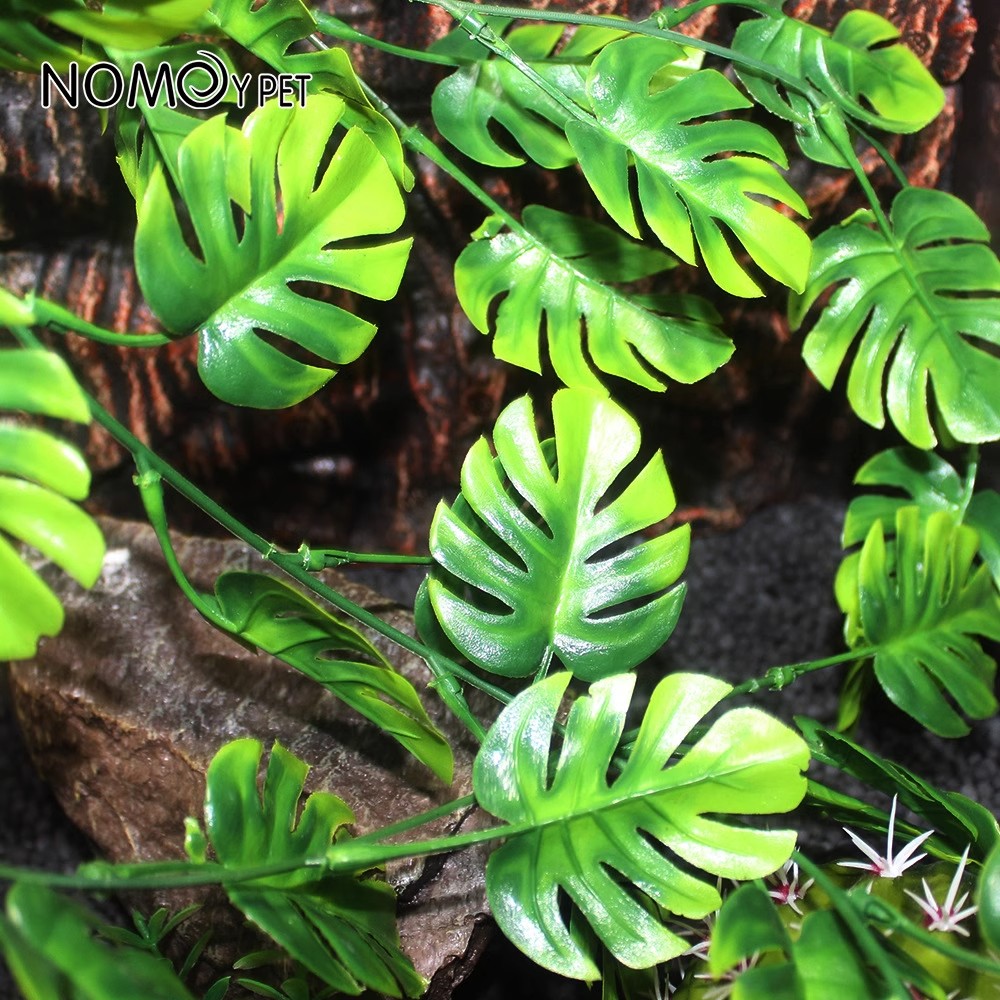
(971, 471)
(648, 27)
(779, 677)
(887, 158)
(849, 913)
(881, 913)
(336, 28)
(420, 819)
(61, 319)
(316, 560)
(670, 19)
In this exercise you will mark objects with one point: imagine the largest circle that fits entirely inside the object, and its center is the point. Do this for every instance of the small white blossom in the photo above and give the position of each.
(889, 866)
(788, 892)
(946, 916)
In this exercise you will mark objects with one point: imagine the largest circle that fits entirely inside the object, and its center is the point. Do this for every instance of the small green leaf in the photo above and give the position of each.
(556, 276)
(922, 303)
(988, 900)
(602, 839)
(50, 946)
(281, 621)
(14, 311)
(690, 193)
(40, 476)
(243, 283)
(540, 546)
(922, 610)
(867, 78)
(341, 928)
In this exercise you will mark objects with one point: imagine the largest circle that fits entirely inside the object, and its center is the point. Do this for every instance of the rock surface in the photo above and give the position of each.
(125, 709)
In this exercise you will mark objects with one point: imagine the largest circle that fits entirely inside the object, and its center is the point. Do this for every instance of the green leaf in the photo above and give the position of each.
(270, 28)
(820, 963)
(487, 90)
(50, 946)
(988, 900)
(923, 301)
(957, 819)
(40, 476)
(689, 191)
(922, 610)
(126, 24)
(856, 67)
(341, 928)
(556, 276)
(549, 558)
(601, 840)
(281, 621)
(241, 284)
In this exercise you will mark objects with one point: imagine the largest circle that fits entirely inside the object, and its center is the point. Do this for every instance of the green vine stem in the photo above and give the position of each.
(316, 560)
(336, 28)
(60, 319)
(777, 678)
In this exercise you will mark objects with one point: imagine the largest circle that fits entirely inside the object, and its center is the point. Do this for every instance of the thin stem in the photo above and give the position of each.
(60, 319)
(845, 907)
(315, 560)
(890, 161)
(779, 677)
(670, 19)
(420, 819)
(336, 28)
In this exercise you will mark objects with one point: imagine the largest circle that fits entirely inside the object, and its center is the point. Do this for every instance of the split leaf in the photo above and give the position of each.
(237, 283)
(922, 607)
(861, 67)
(583, 834)
(558, 275)
(923, 299)
(690, 189)
(341, 928)
(551, 562)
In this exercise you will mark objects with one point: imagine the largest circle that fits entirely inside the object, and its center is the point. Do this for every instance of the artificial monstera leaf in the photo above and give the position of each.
(689, 191)
(861, 67)
(923, 300)
(486, 90)
(279, 620)
(341, 928)
(128, 24)
(536, 560)
(237, 283)
(40, 476)
(930, 483)
(599, 840)
(52, 949)
(270, 28)
(922, 609)
(558, 274)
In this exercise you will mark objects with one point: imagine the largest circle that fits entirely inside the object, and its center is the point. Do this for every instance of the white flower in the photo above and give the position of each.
(788, 891)
(946, 916)
(890, 866)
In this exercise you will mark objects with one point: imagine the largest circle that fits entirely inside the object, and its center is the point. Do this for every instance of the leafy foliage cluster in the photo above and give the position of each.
(553, 565)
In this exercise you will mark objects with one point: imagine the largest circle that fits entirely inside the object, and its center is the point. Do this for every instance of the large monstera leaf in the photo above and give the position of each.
(923, 609)
(342, 928)
(40, 478)
(612, 842)
(535, 560)
(558, 273)
(237, 284)
(861, 67)
(690, 192)
(923, 302)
